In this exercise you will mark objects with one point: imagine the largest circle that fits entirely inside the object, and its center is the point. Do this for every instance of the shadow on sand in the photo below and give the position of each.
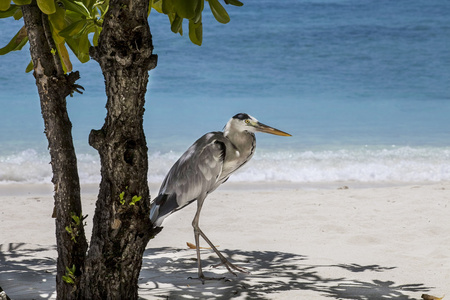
(27, 272)
(165, 271)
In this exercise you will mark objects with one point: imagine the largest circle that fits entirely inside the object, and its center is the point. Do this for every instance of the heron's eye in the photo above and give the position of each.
(247, 121)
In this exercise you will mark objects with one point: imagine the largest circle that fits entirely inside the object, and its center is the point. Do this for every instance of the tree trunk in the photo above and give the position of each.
(54, 87)
(122, 226)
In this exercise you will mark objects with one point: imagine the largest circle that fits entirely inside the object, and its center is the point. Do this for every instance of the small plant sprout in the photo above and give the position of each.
(122, 196)
(74, 227)
(121, 199)
(135, 199)
(70, 275)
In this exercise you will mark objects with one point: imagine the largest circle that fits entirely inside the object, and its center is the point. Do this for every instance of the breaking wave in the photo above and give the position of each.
(358, 164)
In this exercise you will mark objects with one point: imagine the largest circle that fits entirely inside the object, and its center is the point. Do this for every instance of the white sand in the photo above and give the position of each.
(298, 242)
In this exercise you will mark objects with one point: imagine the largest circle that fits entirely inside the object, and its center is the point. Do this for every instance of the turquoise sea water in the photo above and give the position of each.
(363, 87)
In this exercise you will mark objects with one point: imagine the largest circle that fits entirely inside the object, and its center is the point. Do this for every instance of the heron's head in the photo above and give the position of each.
(244, 122)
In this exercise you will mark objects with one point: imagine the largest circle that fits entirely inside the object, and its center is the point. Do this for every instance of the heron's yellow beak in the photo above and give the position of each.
(267, 129)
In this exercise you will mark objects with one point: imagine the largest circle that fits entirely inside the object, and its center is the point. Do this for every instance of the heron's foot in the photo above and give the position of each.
(230, 267)
(204, 278)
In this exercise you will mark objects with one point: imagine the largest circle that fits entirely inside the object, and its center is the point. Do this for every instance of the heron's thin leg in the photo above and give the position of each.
(197, 232)
(197, 237)
(223, 260)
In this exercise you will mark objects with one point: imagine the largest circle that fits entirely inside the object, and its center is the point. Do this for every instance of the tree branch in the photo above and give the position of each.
(52, 46)
(53, 87)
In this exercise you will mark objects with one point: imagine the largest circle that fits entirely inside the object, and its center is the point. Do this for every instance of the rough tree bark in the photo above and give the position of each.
(54, 87)
(122, 227)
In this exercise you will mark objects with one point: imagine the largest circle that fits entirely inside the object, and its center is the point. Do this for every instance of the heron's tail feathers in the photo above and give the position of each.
(162, 207)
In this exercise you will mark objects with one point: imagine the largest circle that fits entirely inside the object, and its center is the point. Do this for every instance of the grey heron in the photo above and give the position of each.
(208, 163)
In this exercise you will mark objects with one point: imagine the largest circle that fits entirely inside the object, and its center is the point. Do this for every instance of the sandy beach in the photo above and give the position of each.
(335, 241)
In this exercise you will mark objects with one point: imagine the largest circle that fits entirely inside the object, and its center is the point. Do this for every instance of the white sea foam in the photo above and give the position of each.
(363, 164)
(26, 166)
(29, 166)
(403, 164)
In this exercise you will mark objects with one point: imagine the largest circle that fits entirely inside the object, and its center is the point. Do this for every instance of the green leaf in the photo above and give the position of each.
(10, 11)
(177, 23)
(167, 6)
(76, 6)
(219, 12)
(196, 32)
(67, 279)
(135, 199)
(4, 5)
(76, 219)
(96, 35)
(18, 14)
(72, 270)
(198, 11)
(66, 64)
(90, 27)
(56, 37)
(57, 19)
(186, 8)
(46, 6)
(22, 2)
(88, 3)
(70, 275)
(73, 29)
(29, 67)
(78, 49)
(234, 2)
(16, 43)
(121, 200)
(83, 49)
(157, 5)
(150, 5)
(102, 6)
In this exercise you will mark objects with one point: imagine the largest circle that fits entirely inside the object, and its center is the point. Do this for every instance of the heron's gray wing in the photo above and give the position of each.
(194, 174)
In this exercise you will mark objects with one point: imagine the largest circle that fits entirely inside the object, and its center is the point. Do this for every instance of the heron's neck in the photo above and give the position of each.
(239, 151)
(243, 141)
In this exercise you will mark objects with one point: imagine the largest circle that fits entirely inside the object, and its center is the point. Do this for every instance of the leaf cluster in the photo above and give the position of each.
(71, 23)
(191, 10)
(133, 201)
(73, 229)
(69, 277)
(77, 24)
